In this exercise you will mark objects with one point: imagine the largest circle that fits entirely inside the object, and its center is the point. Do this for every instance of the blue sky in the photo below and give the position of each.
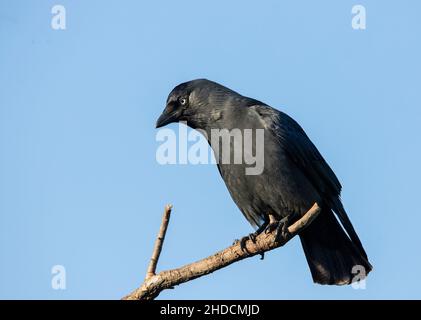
(79, 182)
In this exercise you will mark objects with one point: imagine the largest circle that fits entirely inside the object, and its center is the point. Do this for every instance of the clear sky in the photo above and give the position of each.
(79, 183)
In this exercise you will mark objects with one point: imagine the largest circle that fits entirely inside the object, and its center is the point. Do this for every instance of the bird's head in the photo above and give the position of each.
(197, 102)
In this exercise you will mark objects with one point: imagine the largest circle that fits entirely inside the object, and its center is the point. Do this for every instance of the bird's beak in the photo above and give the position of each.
(167, 116)
(163, 120)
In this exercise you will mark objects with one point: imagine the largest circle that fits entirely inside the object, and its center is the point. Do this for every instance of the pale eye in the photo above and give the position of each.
(183, 101)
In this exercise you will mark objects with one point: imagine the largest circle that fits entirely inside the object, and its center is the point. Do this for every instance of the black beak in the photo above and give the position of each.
(164, 119)
(169, 115)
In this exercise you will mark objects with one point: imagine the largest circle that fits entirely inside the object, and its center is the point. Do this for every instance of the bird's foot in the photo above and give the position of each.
(282, 233)
(272, 226)
(281, 229)
(243, 240)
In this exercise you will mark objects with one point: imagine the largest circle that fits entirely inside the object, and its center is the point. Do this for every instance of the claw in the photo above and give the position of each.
(243, 243)
(251, 237)
(271, 227)
(282, 232)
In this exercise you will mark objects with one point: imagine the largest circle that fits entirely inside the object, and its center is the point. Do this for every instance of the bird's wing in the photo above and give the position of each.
(298, 146)
(295, 142)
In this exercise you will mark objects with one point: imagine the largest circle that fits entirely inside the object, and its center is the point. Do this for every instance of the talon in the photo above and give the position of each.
(285, 233)
(272, 224)
(271, 227)
(282, 232)
(252, 237)
(243, 244)
(262, 256)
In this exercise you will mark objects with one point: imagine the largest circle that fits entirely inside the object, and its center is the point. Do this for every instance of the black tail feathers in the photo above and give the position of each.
(332, 257)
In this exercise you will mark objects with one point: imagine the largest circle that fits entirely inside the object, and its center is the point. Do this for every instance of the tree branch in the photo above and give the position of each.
(154, 284)
(159, 242)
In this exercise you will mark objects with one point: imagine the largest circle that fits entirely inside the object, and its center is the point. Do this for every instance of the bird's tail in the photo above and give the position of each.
(332, 257)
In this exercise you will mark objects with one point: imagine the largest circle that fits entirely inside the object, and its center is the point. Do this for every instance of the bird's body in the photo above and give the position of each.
(294, 175)
(281, 189)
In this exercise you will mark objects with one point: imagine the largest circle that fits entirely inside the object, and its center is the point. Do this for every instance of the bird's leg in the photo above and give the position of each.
(272, 224)
(282, 232)
(280, 226)
(252, 236)
(259, 231)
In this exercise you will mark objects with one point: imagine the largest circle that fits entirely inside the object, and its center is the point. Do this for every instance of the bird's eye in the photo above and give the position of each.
(183, 101)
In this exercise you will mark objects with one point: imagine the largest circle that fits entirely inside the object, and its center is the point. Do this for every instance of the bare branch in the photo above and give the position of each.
(155, 284)
(159, 242)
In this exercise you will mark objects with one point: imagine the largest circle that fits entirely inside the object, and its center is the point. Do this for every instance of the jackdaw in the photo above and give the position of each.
(294, 176)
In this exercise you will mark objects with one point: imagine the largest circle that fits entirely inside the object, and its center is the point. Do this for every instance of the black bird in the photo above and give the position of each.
(295, 176)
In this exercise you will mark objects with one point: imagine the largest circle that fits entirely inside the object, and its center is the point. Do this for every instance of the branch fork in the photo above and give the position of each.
(155, 283)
